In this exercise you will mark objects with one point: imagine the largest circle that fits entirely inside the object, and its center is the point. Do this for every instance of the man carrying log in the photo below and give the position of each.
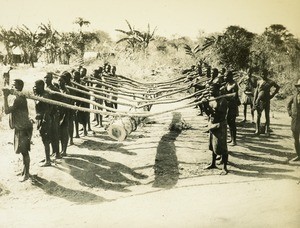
(217, 126)
(64, 116)
(67, 79)
(115, 93)
(19, 120)
(98, 116)
(81, 117)
(54, 114)
(233, 105)
(43, 118)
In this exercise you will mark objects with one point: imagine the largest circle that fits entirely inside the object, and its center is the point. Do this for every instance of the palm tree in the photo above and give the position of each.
(65, 48)
(49, 39)
(136, 39)
(30, 43)
(81, 39)
(7, 37)
(81, 22)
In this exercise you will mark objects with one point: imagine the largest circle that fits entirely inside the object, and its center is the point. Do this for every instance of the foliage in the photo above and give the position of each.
(81, 22)
(135, 39)
(232, 47)
(29, 42)
(49, 39)
(7, 37)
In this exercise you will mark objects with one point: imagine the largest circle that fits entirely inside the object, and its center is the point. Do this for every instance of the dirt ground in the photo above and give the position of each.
(155, 178)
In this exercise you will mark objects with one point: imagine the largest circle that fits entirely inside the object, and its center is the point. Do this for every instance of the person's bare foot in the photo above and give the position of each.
(224, 171)
(64, 154)
(232, 143)
(58, 156)
(46, 164)
(211, 166)
(220, 162)
(24, 178)
(295, 159)
(256, 133)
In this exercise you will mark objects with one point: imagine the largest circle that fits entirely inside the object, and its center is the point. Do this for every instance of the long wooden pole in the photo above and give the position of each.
(65, 105)
(100, 97)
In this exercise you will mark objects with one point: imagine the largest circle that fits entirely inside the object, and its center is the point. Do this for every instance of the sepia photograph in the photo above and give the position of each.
(142, 114)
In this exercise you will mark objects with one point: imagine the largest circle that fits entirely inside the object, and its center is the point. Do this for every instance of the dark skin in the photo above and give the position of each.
(263, 95)
(78, 80)
(249, 76)
(64, 138)
(39, 90)
(209, 109)
(25, 155)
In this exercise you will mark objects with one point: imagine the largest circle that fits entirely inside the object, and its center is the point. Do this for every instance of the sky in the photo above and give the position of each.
(171, 17)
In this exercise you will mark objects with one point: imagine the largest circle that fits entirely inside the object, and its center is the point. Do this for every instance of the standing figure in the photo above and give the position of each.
(64, 117)
(248, 83)
(54, 114)
(233, 105)
(67, 79)
(6, 75)
(81, 117)
(116, 84)
(262, 99)
(293, 109)
(19, 120)
(43, 118)
(98, 116)
(217, 126)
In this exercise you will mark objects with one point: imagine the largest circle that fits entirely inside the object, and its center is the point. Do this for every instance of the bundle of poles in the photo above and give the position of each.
(126, 92)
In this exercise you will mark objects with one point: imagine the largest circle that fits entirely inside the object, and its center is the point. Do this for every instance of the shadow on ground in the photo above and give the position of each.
(54, 189)
(262, 152)
(166, 163)
(94, 171)
(112, 146)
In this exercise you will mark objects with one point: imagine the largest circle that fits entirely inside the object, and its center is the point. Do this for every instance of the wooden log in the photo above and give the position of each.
(119, 129)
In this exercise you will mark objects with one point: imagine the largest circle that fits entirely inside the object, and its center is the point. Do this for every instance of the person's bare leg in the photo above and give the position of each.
(213, 162)
(225, 161)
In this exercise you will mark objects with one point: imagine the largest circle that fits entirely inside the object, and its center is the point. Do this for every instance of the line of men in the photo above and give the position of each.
(223, 111)
(54, 123)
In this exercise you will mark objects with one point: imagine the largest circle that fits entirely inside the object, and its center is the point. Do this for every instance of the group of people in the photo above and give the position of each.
(55, 122)
(217, 95)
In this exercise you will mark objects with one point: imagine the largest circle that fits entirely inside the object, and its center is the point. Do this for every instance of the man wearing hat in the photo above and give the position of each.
(293, 109)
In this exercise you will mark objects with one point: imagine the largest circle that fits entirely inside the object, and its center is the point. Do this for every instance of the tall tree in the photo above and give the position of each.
(135, 39)
(234, 47)
(30, 43)
(49, 39)
(81, 39)
(7, 37)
